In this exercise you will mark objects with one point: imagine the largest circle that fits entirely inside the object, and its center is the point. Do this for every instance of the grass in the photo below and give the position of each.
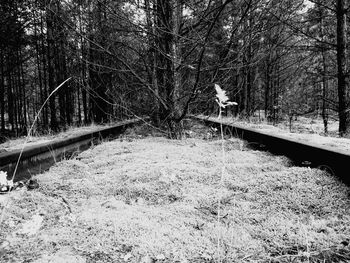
(149, 199)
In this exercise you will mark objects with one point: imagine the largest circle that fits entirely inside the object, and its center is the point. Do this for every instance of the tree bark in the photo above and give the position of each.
(45, 89)
(98, 79)
(324, 85)
(2, 91)
(343, 79)
(168, 59)
(176, 127)
(51, 66)
(152, 60)
(38, 64)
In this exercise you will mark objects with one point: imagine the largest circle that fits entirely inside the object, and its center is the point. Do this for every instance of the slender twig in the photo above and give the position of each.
(31, 128)
(24, 144)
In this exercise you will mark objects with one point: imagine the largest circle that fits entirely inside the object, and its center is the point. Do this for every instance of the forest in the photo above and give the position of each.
(75, 62)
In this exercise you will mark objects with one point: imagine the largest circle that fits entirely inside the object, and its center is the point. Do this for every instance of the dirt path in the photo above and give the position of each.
(151, 199)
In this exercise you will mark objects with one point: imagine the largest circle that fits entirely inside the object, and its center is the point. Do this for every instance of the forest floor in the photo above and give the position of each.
(145, 198)
(303, 129)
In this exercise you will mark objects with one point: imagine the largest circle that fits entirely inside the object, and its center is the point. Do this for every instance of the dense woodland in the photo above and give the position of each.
(161, 58)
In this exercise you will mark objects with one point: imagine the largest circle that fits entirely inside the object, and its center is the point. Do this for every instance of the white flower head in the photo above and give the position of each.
(3, 179)
(222, 98)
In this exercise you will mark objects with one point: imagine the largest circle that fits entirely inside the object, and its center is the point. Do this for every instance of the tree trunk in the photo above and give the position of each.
(25, 103)
(99, 81)
(38, 64)
(343, 79)
(168, 59)
(83, 72)
(152, 60)
(23, 93)
(177, 125)
(50, 66)
(324, 90)
(45, 89)
(267, 89)
(2, 91)
(248, 73)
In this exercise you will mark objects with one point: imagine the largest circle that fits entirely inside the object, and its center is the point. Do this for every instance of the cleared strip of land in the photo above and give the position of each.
(144, 198)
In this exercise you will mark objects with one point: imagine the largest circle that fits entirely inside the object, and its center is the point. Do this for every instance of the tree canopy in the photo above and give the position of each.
(161, 58)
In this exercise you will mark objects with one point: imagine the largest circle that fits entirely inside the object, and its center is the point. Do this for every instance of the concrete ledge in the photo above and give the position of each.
(337, 162)
(40, 157)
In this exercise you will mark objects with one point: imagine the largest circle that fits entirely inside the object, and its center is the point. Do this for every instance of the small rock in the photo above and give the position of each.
(126, 248)
(207, 257)
(113, 203)
(32, 184)
(72, 218)
(62, 256)
(127, 257)
(32, 226)
(3, 199)
(4, 245)
(306, 254)
(11, 223)
(141, 201)
(345, 242)
(147, 259)
(160, 257)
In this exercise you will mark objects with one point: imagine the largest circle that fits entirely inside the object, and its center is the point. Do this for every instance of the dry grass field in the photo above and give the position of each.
(144, 198)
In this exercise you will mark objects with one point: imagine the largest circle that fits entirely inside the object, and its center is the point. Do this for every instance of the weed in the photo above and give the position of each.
(223, 101)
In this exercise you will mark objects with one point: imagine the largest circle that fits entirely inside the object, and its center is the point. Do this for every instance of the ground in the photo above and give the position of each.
(144, 198)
